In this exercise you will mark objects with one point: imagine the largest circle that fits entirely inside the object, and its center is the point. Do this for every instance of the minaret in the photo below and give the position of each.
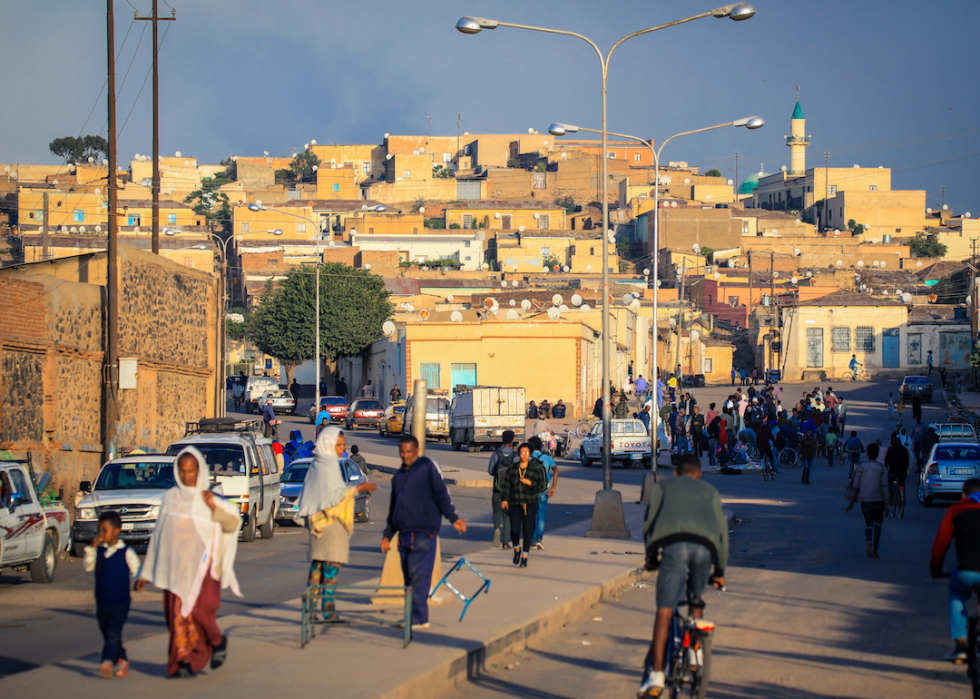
(797, 140)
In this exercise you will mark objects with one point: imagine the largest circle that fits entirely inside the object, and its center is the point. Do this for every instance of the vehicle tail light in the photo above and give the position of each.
(393, 419)
(244, 507)
(932, 469)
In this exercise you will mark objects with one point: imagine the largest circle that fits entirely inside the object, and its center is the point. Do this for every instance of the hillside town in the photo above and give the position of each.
(561, 301)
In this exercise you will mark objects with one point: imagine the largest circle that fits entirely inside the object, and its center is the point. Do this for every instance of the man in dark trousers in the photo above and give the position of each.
(419, 501)
(500, 460)
(294, 390)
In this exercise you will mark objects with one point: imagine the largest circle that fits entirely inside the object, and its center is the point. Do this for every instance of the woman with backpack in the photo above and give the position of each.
(520, 487)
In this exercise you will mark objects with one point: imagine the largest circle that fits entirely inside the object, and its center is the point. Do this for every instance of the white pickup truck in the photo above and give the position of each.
(630, 444)
(31, 533)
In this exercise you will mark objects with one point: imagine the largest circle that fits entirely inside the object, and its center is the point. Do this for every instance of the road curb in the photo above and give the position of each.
(458, 482)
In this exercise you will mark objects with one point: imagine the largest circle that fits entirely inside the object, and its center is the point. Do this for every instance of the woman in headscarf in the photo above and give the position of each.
(191, 557)
(328, 506)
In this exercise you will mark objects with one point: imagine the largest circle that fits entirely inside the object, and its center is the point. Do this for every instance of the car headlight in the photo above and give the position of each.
(154, 512)
(86, 513)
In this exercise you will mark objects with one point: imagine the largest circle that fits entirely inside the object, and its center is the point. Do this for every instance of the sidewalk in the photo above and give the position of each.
(562, 583)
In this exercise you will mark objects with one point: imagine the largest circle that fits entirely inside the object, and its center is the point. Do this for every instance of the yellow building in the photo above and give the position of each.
(959, 238)
(366, 160)
(176, 173)
(254, 226)
(337, 182)
(506, 215)
(88, 209)
(529, 250)
(898, 213)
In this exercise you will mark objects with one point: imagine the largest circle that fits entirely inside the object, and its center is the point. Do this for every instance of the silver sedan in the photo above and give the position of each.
(948, 467)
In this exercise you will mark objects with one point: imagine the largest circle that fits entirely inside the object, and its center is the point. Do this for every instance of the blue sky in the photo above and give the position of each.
(882, 82)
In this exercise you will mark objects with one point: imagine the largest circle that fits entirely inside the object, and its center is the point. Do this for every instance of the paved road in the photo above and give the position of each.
(807, 615)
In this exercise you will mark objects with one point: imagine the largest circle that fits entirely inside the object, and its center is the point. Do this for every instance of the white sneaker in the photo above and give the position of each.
(539, 545)
(653, 685)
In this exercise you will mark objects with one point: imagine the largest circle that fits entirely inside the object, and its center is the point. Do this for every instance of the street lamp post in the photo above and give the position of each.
(750, 123)
(473, 25)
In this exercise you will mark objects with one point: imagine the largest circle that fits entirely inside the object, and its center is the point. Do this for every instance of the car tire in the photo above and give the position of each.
(586, 462)
(78, 549)
(920, 492)
(268, 529)
(365, 516)
(44, 566)
(248, 531)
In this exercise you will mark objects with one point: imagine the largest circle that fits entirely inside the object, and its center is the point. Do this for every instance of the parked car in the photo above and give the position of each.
(336, 405)
(134, 487)
(955, 432)
(916, 384)
(437, 410)
(292, 481)
(391, 421)
(255, 387)
(33, 531)
(950, 464)
(243, 464)
(364, 411)
(282, 401)
(631, 444)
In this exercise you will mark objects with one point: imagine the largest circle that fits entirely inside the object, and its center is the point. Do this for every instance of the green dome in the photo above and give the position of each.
(751, 182)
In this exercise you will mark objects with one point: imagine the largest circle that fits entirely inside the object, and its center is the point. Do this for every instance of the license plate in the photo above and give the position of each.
(961, 471)
(636, 457)
(498, 432)
(126, 526)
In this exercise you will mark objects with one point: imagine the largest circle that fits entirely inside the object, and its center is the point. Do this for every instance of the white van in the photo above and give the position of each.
(255, 387)
(243, 464)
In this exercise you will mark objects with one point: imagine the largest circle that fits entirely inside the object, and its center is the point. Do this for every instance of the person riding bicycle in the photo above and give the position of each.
(854, 449)
(686, 536)
(763, 437)
(854, 365)
(897, 462)
(962, 523)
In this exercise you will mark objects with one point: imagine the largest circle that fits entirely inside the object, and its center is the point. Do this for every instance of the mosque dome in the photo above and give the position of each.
(751, 182)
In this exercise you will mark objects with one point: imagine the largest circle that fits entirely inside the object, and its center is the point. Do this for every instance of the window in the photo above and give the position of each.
(271, 264)
(447, 157)
(467, 220)
(336, 186)
(349, 165)
(709, 365)
(831, 189)
(612, 156)
(244, 227)
(430, 372)
(545, 252)
(873, 187)
(172, 219)
(733, 301)
(371, 230)
(301, 228)
(366, 166)
(636, 157)
(466, 245)
(864, 340)
(147, 181)
(544, 222)
(78, 216)
(415, 230)
(505, 222)
(133, 220)
(38, 215)
(840, 339)
(406, 174)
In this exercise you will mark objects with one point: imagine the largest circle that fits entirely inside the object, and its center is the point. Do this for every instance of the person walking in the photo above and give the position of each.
(644, 417)
(641, 386)
(327, 505)
(269, 420)
(191, 557)
(755, 376)
(898, 460)
(842, 415)
(418, 502)
(733, 375)
(808, 450)
(367, 391)
(869, 486)
(917, 407)
(686, 536)
(501, 459)
(520, 488)
(697, 431)
(929, 440)
(929, 363)
(890, 404)
(114, 564)
(622, 409)
(551, 481)
(237, 395)
(900, 407)
(742, 377)
(294, 392)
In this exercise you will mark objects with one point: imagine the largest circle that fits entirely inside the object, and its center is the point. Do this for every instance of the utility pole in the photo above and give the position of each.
(748, 316)
(430, 126)
(772, 305)
(110, 375)
(44, 230)
(156, 123)
(942, 193)
(459, 115)
(974, 299)
(826, 188)
(737, 185)
(680, 319)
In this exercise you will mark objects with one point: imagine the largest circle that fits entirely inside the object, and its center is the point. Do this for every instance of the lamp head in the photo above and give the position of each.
(276, 231)
(750, 123)
(562, 129)
(256, 207)
(737, 12)
(381, 207)
(473, 25)
(169, 232)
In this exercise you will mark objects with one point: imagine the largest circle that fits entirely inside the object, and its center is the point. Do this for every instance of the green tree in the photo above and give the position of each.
(353, 306)
(514, 163)
(924, 245)
(442, 173)
(300, 168)
(210, 203)
(566, 202)
(713, 172)
(551, 262)
(77, 150)
(708, 253)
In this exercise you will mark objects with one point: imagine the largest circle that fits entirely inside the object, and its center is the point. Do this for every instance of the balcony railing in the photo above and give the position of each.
(804, 140)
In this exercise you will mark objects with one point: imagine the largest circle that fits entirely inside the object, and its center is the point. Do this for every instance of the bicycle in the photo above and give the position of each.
(788, 457)
(861, 374)
(768, 471)
(687, 656)
(585, 425)
(897, 493)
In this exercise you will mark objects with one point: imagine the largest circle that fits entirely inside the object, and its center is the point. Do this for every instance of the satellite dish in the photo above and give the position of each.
(565, 269)
(489, 302)
(545, 270)
(576, 300)
(875, 263)
(514, 283)
(627, 299)
(421, 151)
(884, 264)
(840, 262)
(907, 297)
(730, 183)
(928, 211)
(557, 299)
(554, 313)
(717, 277)
(389, 156)
(836, 232)
(945, 207)
(697, 248)
(423, 314)
(495, 309)
(795, 279)
(388, 327)
(586, 308)
(98, 229)
(512, 314)
(588, 268)
(520, 229)
(456, 317)
(386, 135)
(918, 264)
(775, 275)
(646, 272)
(449, 299)
(555, 268)
(775, 232)
(659, 283)
(409, 307)
(796, 251)
(635, 305)
(932, 298)
(861, 263)
(177, 154)
(687, 180)
(526, 305)
(513, 302)
(563, 308)
(673, 321)
(367, 267)
(809, 274)
(673, 204)
(81, 229)
(421, 209)
(75, 230)
(695, 335)
(503, 284)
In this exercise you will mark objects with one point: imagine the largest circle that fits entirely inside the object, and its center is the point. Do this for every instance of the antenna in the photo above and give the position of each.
(797, 93)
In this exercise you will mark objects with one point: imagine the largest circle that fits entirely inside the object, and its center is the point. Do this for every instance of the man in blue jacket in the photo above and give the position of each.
(419, 501)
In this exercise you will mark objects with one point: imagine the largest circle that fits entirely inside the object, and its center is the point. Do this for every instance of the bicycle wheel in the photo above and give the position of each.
(847, 377)
(788, 458)
(704, 672)
(901, 502)
(583, 428)
(864, 375)
(765, 471)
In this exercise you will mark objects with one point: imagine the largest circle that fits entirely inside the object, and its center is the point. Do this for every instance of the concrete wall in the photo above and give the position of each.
(900, 213)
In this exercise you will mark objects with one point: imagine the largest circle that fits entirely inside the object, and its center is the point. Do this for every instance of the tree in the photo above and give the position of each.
(442, 173)
(77, 150)
(551, 262)
(708, 253)
(210, 203)
(713, 172)
(924, 245)
(567, 203)
(353, 306)
(300, 168)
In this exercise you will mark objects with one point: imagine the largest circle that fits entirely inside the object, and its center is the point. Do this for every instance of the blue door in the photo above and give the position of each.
(889, 348)
(464, 375)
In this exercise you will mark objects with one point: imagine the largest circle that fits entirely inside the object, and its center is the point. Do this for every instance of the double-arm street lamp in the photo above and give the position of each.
(613, 523)
(750, 123)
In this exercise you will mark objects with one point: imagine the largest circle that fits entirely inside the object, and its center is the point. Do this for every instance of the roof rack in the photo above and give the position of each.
(220, 424)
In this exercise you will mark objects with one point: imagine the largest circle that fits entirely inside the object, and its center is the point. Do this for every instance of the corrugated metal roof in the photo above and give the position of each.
(403, 287)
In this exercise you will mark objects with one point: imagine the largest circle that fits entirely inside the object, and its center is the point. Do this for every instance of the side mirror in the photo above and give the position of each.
(16, 500)
(85, 486)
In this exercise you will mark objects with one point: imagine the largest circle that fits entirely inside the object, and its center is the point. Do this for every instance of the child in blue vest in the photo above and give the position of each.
(115, 565)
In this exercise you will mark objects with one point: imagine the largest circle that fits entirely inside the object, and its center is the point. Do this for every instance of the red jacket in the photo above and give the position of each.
(962, 522)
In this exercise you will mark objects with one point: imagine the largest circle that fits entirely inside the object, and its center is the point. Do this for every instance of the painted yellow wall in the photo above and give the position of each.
(898, 213)
(337, 183)
(260, 221)
(356, 155)
(93, 209)
(519, 217)
(176, 173)
(385, 224)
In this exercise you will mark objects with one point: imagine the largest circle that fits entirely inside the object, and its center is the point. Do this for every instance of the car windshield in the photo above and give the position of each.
(916, 380)
(223, 459)
(629, 427)
(369, 405)
(278, 394)
(958, 453)
(295, 473)
(434, 405)
(398, 409)
(333, 400)
(136, 476)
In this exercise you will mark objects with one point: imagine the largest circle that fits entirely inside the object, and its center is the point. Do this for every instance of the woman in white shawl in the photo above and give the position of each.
(328, 506)
(191, 557)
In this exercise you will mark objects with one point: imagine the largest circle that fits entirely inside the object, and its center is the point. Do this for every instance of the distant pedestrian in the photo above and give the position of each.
(742, 377)
(114, 564)
(808, 450)
(641, 386)
(869, 486)
(842, 415)
(551, 481)
(929, 363)
(294, 392)
(395, 394)
(367, 391)
(942, 376)
(622, 409)
(890, 404)
(733, 375)
(917, 407)
(900, 407)
(501, 459)
(238, 394)
(629, 370)
(755, 376)
(355, 456)
(419, 501)
(520, 488)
